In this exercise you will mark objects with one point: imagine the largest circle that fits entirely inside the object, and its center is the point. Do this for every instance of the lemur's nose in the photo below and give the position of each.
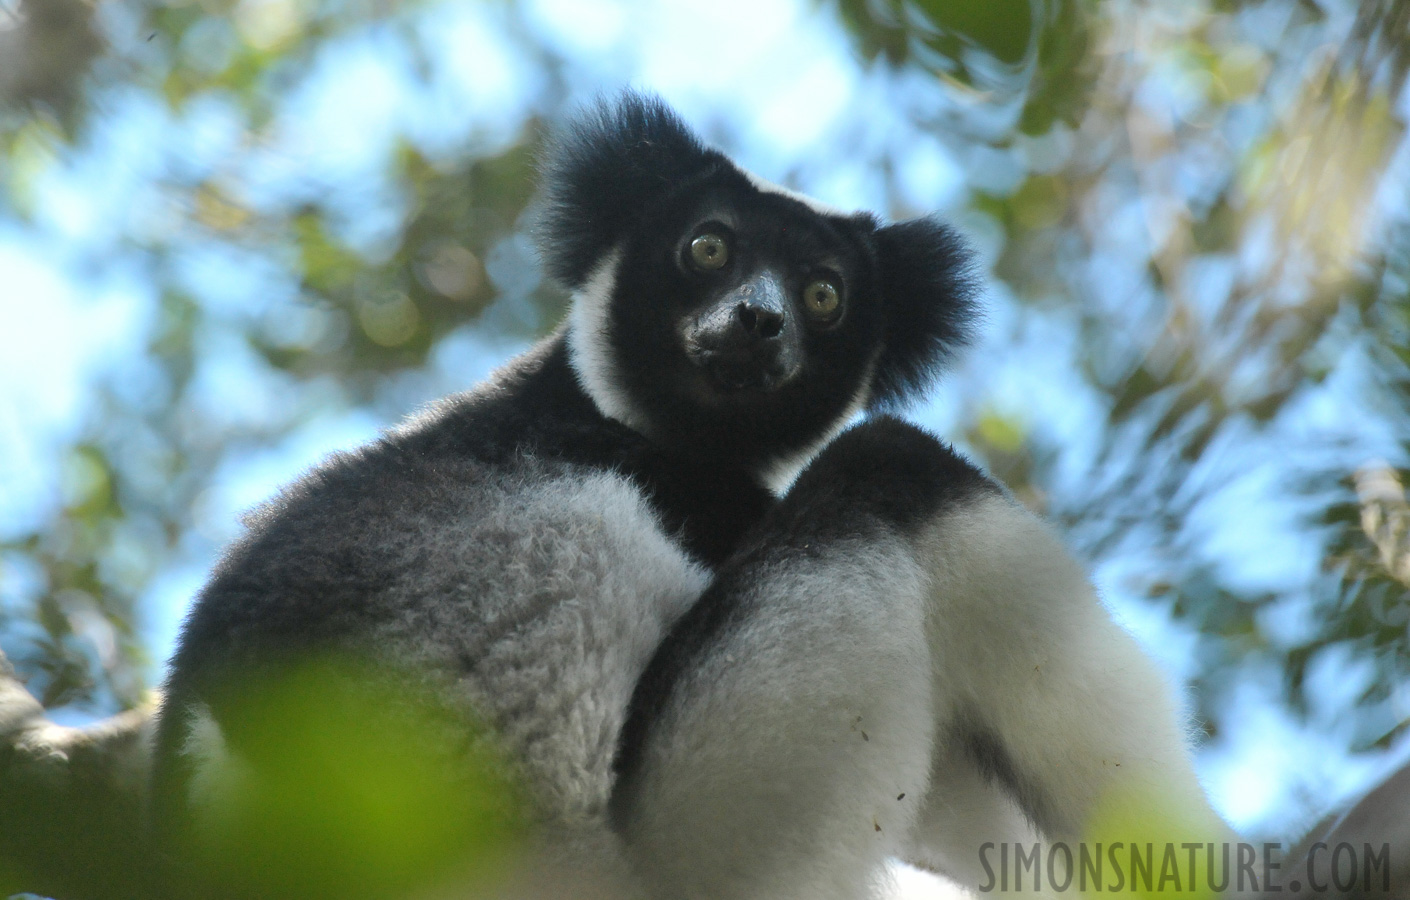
(759, 318)
(747, 339)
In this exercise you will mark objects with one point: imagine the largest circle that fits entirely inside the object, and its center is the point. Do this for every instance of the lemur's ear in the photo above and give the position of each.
(600, 171)
(930, 292)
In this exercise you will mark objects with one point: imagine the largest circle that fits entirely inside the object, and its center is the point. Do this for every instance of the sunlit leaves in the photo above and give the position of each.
(388, 320)
(268, 25)
(87, 483)
(29, 152)
(1034, 50)
(452, 271)
(1005, 443)
(1385, 520)
(1315, 177)
(900, 29)
(338, 781)
(326, 266)
(214, 209)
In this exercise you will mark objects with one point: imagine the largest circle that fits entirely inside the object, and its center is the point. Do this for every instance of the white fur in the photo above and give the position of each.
(559, 584)
(564, 585)
(779, 474)
(1023, 637)
(590, 347)
(817, 206)
(777, 770)
(1018, 635)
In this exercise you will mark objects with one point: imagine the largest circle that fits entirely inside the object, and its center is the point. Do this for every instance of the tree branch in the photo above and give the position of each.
(72, 799)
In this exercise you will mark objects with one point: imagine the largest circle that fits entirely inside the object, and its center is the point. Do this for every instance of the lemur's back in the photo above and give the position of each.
(510, 543)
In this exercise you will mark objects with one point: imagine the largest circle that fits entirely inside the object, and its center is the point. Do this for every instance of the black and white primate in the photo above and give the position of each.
(712, 689)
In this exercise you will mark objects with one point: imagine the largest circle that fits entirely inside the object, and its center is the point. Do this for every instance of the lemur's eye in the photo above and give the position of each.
(709, 251)
(821, 299)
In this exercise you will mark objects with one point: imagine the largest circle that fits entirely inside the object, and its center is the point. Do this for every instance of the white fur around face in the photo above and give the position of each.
(590, 347)
(817, 206)
(780, 473)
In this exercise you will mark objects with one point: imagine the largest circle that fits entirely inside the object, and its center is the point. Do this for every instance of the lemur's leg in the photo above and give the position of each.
(963, 811)
(1037, 687)
(780, 742)
(896, 618)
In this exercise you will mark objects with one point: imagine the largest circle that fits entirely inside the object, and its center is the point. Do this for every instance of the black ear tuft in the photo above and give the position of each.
(601, 170)
(930, 292)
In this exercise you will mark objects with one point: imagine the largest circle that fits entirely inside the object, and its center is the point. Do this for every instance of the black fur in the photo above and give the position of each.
(598, 176)
(244, 622)
(630, 178)
(931, 290)
(535, 407)
(769, 232)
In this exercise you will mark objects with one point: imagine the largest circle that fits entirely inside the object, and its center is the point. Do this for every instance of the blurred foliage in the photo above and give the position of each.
(45, 50)
(349, 785)
(1034, 53)
(1206, 200)
(342, 781)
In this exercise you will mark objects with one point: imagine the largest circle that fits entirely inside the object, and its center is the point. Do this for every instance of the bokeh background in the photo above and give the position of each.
(238, 234)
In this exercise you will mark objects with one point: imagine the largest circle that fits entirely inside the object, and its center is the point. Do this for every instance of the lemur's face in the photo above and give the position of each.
(721, 315)
(740, 315)
(763, 295)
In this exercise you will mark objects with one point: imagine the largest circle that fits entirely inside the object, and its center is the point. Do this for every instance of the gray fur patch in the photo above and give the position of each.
(553, 593)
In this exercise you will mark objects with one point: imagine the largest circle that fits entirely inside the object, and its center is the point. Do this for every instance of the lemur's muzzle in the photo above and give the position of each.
(749, 338)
